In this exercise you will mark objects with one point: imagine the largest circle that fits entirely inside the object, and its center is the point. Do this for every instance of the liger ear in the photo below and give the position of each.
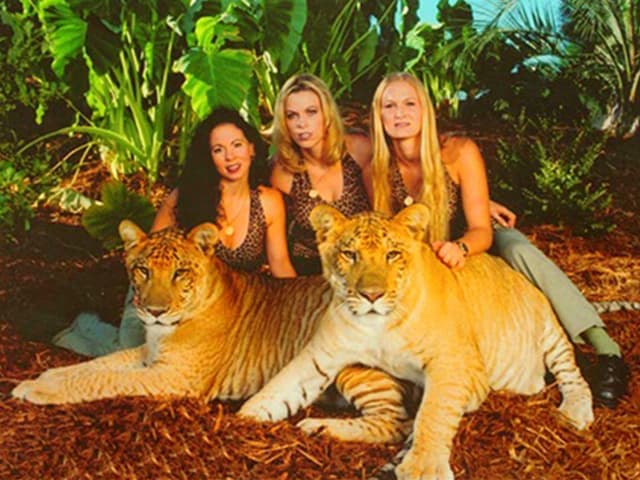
(130, 233)
(205, 236)
(324, 219)
(414, 218)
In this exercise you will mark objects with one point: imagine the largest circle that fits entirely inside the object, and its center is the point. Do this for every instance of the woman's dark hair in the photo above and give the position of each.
(199, 184)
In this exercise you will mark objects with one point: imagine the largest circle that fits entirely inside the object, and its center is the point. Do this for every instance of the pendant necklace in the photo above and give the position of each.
(313, 193)
(229, 229)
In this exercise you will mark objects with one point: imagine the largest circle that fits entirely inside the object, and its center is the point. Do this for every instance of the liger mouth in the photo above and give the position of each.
(172, 323)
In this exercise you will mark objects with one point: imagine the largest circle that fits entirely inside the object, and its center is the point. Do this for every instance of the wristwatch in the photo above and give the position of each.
(463, 247)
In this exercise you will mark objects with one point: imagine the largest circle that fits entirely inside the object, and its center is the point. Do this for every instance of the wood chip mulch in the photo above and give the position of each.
(509, 437)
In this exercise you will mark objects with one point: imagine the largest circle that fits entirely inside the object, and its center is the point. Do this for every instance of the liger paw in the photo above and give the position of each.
(578, 411)
(38, 391)
(257, 411)
(415, 467)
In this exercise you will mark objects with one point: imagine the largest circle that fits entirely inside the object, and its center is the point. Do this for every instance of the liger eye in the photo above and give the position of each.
(349, 255)
(179, 273)
(393, 255)
(142, 271)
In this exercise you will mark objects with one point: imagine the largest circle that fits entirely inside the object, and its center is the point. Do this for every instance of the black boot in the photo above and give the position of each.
(608, 379)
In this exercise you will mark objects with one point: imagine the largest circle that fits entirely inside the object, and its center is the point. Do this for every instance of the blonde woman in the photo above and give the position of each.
(312, 164)
(412, 163)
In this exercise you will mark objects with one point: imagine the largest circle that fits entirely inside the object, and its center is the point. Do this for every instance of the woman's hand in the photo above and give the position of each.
(450, 253)
(501, 214)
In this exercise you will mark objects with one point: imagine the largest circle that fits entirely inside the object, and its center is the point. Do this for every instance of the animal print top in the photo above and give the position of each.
(249, 255)
(302, 199)
(400, 198)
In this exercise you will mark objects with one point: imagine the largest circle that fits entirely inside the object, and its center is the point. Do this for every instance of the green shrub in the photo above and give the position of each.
(24, 182)
(27, 85)
(16, 198)
(546, 171)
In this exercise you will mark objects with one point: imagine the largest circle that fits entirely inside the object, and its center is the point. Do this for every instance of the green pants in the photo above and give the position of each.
(88, 335)
(575, 313)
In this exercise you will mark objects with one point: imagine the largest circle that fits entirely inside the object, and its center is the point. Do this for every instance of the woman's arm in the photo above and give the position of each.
(502, 214)
(464, 161)
(166, 216)
(276, 241)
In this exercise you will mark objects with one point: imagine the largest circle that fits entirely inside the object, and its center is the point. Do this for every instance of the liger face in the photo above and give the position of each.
(305, 120)
(231, 152)
(401, 111)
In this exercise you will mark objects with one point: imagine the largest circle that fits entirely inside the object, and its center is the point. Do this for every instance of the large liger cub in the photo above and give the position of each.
(213, 332)
(459, 333)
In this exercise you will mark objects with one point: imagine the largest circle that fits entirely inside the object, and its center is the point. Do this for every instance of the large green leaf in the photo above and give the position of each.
(102, 220)
(216, 78)
(284, 21)
(65, 33)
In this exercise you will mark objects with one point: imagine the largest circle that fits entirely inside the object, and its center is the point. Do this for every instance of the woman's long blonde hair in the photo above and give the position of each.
(289, 153)
(433, 192)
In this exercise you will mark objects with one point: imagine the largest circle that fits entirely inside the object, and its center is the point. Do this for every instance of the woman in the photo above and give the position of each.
(412, 163)
(221, 184)
(312, 164)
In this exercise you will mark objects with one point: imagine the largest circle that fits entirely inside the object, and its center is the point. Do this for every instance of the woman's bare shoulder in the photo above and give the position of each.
(455, 148)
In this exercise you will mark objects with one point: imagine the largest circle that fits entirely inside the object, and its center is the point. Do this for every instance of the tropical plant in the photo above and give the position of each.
(238, 55)
(28, 87)
(596, 44)
(120, 55)
(30, 103)
(101, 219)
(347, 42)
(25, 182)
(147, 66)
(433, 53)
(546, 172)
(606, 58)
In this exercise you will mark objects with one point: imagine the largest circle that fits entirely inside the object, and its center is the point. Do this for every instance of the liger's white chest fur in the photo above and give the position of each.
(372, 340)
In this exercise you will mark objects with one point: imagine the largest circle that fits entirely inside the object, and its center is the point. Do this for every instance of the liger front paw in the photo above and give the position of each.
(256, 411)
(38, 391)
(578, 410)
(311, 426)
(425, 467)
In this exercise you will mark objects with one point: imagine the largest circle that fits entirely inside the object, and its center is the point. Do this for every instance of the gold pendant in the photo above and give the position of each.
(228, 230)
(408, 200)
(313, 193)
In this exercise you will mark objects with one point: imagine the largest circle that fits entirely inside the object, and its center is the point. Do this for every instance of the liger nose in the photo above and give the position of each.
(371, 294)
(156, 311)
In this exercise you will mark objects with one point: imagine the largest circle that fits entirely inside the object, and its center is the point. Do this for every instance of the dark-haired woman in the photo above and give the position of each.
(220, 183)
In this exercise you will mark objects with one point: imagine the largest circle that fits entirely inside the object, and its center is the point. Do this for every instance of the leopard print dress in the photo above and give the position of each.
(303, 198)
(249, 255)
(400, 198)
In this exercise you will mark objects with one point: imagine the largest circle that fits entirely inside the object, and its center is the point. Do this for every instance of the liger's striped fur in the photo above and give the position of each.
(458, 333)
(213, 332)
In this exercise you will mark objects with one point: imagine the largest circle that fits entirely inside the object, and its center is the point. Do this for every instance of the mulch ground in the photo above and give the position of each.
(58, 269)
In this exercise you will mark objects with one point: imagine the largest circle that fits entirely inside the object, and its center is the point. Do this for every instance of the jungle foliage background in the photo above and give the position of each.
(98, 99)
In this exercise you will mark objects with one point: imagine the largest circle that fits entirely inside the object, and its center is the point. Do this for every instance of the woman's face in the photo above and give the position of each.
(231, 152)
(401, 111)
(305, 119)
